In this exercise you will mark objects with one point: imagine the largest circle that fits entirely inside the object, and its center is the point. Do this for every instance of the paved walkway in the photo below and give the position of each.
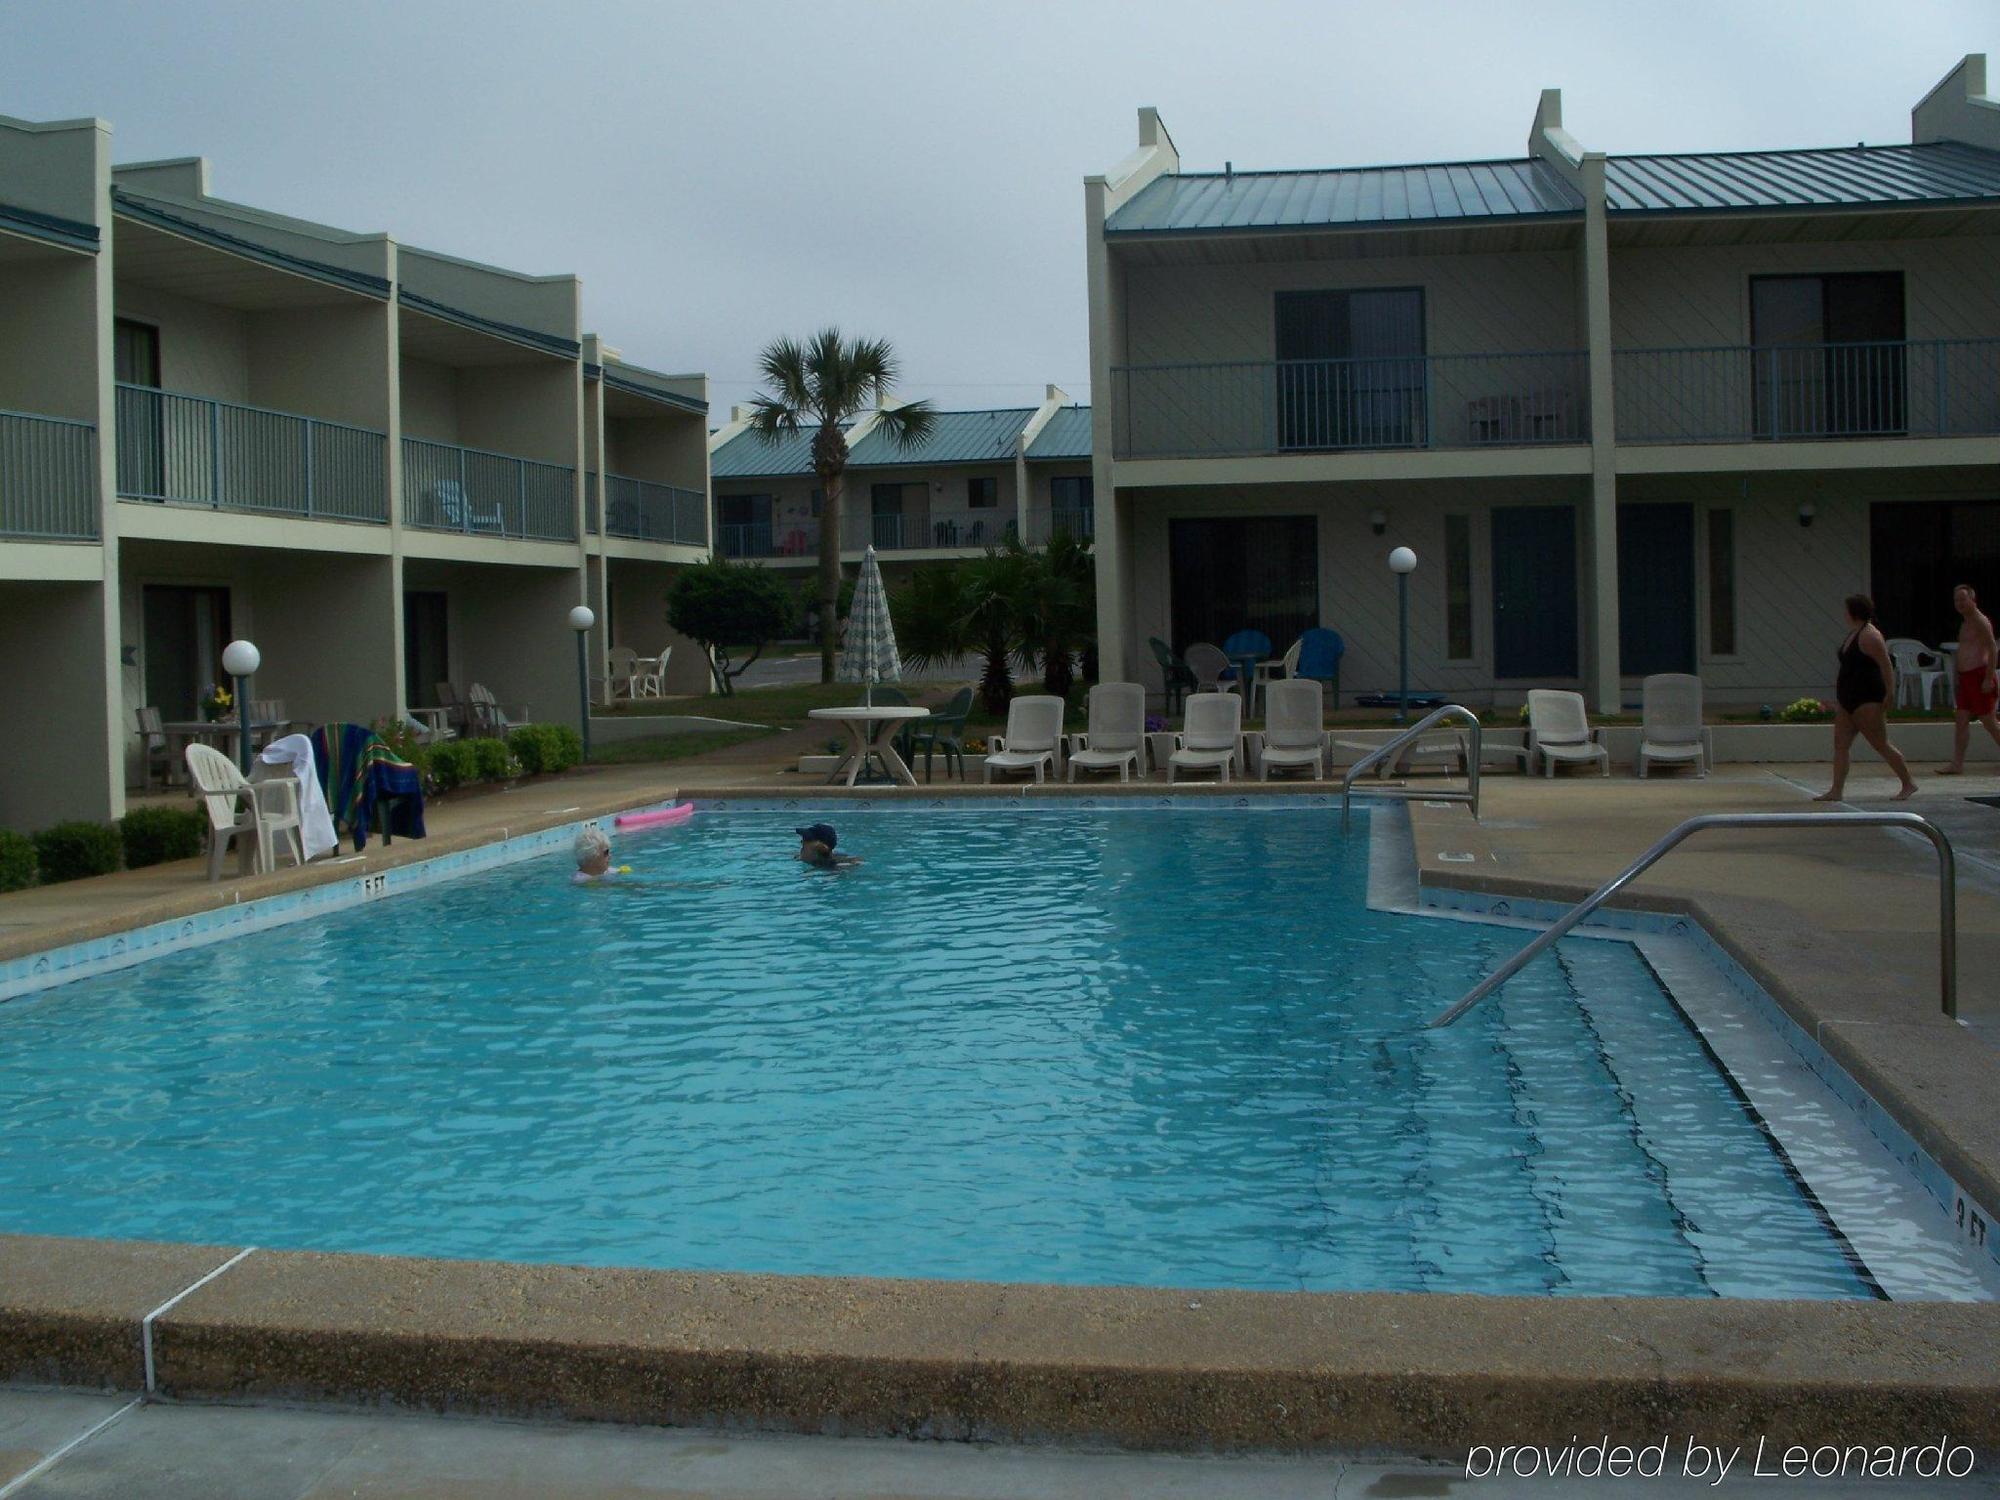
(169, 1452)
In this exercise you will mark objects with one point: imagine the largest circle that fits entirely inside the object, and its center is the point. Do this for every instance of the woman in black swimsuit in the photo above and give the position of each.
(1861, 693)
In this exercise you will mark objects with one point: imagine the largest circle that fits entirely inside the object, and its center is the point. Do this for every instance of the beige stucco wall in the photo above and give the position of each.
(429, 394)
(57, 763)
(204, 349)
(638, 610)
(507, 628)
(48, 357)
(53, 167)
(545, 304)
(329, 362)
(670, 448)
(1357, 591)
(530, 410)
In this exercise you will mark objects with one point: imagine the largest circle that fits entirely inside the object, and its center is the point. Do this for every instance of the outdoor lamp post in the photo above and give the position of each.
(581, 620)
(240, 660)
(1402, 562)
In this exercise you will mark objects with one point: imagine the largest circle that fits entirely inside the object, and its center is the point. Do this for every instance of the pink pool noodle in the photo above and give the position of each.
(665, 815)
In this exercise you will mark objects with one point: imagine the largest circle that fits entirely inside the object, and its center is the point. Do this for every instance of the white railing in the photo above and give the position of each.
(190, 450)
(48, 478)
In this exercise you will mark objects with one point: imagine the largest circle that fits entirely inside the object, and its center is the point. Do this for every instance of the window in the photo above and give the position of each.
(818, 502)
(1071, 507)
(1458, 587)
(1919, 550)
(1231, 573)
(142, 440)
(743, 525)
(136, 352)
(1351, 370)
(1722, 583)
(982, 493)
(1829, 359)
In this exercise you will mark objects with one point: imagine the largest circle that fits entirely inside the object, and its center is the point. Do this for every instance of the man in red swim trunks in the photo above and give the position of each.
(1978, 688)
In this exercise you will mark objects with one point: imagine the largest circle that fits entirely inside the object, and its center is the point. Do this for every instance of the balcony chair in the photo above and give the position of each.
(252, 814)
(1116, 739)
(155, 758)
(457, 712)
(460, 514)
(491, 717)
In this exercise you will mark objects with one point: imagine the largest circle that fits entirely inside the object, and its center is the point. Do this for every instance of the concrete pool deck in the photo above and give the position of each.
(1839, 926)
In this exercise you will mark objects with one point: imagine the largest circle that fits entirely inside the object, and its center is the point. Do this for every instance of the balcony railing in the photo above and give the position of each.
(190, 450)
(906, 531)
(48, 478)
(650, 512)
(1079, 521)
(1927, 388)
(468, 490)
(1332, 405)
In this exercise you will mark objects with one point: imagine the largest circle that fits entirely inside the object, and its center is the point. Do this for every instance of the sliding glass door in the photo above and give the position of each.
(1231, 573)
(1351, 370)
(1829, 359)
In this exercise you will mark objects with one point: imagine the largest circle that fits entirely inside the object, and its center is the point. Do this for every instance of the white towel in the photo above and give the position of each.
(295, 753)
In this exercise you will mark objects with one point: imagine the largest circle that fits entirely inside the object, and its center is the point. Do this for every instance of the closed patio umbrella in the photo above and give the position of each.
(868, 653)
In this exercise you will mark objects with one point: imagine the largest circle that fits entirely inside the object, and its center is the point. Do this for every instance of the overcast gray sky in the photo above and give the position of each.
(721, 174)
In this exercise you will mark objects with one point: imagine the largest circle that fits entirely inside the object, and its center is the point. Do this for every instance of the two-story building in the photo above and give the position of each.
(386, 466)
(977, 478)
(1634, 414)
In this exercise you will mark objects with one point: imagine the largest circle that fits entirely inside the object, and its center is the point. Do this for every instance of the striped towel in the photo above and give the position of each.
(357, 768)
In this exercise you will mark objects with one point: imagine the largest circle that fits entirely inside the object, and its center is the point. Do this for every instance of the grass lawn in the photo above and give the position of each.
(671, 746)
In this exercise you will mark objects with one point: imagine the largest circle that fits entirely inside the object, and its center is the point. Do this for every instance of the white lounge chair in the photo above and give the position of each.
(1672, 731)
(1211, 736)
(1213, 672)
(1116, 739)
(1033, 737)
(1294, 728)
(254, 814)
(1559, 730)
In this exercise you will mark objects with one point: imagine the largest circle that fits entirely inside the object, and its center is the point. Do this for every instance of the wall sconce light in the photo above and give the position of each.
(1378, 521)
(1806, 512)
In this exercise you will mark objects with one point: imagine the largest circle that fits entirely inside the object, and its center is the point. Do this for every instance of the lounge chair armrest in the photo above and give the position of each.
(1079, 740)
(997, 743)
(284, 788)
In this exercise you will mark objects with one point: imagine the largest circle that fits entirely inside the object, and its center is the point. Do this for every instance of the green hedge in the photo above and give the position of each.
(72, 851)
(155, 835)
(17, 861)
(543, 748)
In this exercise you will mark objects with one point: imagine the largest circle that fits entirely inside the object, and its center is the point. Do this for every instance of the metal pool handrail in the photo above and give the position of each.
(1376, 756)
(1947, 892)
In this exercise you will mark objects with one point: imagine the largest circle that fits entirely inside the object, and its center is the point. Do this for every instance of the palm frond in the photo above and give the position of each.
(908, 424)
(773, 417)
(787, 371)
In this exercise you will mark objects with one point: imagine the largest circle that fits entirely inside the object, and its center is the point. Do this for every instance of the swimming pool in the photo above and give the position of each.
(1126, 1045)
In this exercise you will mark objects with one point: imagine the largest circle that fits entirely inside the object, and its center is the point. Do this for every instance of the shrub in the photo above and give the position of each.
(449, 764)
(543, 748)
(492, 760)
(154, 835)
(71, 851)
(1804, 711)
(17, 861)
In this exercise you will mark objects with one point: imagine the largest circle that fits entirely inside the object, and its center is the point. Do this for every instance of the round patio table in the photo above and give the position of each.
(872, 729)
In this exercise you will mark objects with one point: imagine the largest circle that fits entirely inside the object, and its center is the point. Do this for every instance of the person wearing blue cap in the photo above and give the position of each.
(816, 844)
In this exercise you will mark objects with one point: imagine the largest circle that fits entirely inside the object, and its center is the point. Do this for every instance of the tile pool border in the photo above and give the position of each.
(1964, 1215)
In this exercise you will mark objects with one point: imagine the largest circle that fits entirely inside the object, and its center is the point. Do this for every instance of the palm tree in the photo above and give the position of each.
(822, 385)
(961, 609)
(1055, 608)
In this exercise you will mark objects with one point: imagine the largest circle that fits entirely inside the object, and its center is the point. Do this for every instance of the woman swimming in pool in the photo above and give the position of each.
(1861, 695)
(593, 857)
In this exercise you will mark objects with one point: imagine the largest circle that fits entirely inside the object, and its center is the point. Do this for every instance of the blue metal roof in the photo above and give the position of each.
(1840, 177)
(1208, 202)
(749, 455)
(1066, 435)
(956, 437)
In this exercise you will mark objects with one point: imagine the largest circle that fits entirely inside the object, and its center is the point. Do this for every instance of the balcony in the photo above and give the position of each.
(1260, 407)
(647, 512)
(1802, 393)
(905, 531)
(1079, 521)
(48, 478)
(476, 493)
(216, 455)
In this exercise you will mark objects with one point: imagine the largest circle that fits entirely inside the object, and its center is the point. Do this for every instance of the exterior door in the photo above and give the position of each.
(186, 629)
(1655, 589)
(1350, 369)
(1829, 359)
(885, 507)
(1231, 573)
(142, 443)
(1534, 591)
(426, 645)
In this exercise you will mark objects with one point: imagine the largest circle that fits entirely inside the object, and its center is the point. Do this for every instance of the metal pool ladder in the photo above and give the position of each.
(1947, 892)
(1381, 753)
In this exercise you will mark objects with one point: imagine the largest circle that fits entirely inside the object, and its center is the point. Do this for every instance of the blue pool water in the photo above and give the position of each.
(1129, 1046)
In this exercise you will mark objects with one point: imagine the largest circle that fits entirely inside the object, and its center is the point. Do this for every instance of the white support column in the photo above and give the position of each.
(1601, 554)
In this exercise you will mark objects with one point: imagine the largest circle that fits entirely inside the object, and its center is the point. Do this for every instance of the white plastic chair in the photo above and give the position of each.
(1034, 734)
(1918, 670)
(1559, 729)
(1671, 729)
(1212, 670)
(1294, 728)
(649, 675)
(243, 810)
(621, 665)
(1211, 735)
(1269, 672)
(1116, 739)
